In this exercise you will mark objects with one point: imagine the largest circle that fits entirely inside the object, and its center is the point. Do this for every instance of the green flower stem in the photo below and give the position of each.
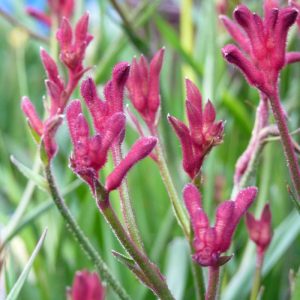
(168, 182)
(257, 277)
(80, 237)
(213, 283)
(126, 205)
(287, 142)
(149, 269)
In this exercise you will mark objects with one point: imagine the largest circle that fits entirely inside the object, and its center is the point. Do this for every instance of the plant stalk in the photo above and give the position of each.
(126, 205)
(81, 238)
(213, 283)
(286, 140)
(256, 282)
(149, 269)
(168, 182)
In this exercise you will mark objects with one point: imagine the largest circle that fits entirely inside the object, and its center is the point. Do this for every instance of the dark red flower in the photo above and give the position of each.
(143, 86)
(211, 241)
(260, 231)
(262, 43)
(86, 286)
(202, 134)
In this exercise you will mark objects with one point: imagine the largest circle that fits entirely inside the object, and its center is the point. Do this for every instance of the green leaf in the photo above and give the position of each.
(176, 271)
(15, 291)
(295, 290)
(284, 236)
(39, 180)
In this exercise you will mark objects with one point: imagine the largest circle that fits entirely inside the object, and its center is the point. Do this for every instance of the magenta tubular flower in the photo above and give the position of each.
(262, 43)
(73, 45)
(142, 148)
(260, 231)
(58, 9)
(202, 134)
(90, 153)
(59, 92)
(101, 110)
(86, 286)
(210, 242)
(143, 87)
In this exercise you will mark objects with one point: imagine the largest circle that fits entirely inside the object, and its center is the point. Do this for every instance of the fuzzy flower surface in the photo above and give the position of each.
(262, 43)
(90, 152)
(86, 286)
(144, 88)
(211, 241)
(260, 231)
(58, 90)
(202, 134)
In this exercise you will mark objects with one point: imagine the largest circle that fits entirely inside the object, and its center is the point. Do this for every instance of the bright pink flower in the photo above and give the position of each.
(211, 241)
(73, 44)
(260, 231)
(143, 86)
(202, 134)
(58, 9)
(90, 153)
(142, 148)
(39, 15)
(101, 110)
(262, 43)
(86, 286)
(59, 92)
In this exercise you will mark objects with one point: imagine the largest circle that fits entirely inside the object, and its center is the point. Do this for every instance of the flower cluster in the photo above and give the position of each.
(90, 153)
(260, 231)
(210, 242)
(143, 87)
(59, 92)
(262, 42)
(86, 286)
(202, 134)
(58, 9)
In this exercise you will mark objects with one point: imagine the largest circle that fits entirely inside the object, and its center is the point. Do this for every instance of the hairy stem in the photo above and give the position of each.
(126, 205)
(213, 283)
(169, 184)
(150, 270)
(81, 238)
(286, 141)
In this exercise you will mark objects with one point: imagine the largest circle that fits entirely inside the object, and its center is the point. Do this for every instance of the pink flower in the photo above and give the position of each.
(59, 92)
(143, 86)
(202, 134)
(86, 286)
(262, 43)
(90, 152)
(211, 241)
(101, 110)
(260, 231)
(58, 9)
(73, 44)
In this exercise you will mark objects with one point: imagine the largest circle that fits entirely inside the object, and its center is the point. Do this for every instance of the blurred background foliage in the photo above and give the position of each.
(193, 37)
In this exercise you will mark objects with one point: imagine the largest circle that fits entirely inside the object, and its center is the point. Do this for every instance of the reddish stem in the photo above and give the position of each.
(213, 283)
(286, 140)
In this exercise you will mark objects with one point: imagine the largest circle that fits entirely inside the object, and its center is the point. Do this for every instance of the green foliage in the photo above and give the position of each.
(54, 267)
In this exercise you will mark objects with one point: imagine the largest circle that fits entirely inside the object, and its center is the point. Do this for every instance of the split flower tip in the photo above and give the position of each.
(263, 41)
(144, 86)
(141, 149)
(86, 286)
(211, 241)
(260, 230)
